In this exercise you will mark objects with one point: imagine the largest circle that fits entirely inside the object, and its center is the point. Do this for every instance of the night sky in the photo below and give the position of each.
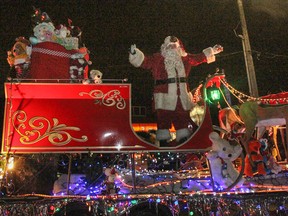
(110, 27)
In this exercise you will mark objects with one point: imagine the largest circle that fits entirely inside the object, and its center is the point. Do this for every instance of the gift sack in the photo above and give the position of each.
(50, 61)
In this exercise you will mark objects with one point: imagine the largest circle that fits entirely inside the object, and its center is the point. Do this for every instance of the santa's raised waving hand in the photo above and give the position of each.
(136, 56)
(132, 49)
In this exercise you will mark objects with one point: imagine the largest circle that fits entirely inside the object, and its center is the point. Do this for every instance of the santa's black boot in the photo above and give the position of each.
(182, 140)
(163, 143)
(182, 135)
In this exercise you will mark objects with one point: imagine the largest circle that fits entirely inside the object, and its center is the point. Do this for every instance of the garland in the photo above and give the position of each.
(269, 99)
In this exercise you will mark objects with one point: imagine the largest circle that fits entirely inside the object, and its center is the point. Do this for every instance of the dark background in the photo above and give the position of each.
(110, 27)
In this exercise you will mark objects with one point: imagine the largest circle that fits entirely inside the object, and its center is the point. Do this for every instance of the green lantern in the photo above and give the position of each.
(213, 94)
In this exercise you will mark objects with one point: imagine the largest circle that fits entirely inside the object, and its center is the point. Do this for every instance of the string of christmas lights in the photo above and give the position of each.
(192, 204)
(266, 100)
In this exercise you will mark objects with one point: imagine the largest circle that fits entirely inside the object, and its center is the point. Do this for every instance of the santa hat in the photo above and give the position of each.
(174, 40)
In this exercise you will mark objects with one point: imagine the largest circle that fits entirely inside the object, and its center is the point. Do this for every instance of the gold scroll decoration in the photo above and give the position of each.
(111, 98)
(39, 128)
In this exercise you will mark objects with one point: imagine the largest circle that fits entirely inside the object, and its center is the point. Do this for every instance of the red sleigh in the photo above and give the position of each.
(48, 114)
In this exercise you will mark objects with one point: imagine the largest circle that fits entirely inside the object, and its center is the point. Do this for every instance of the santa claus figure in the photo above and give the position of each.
(170, 69)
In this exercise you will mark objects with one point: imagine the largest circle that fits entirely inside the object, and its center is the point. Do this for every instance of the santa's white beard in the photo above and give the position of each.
(171, 53)
(173, 62)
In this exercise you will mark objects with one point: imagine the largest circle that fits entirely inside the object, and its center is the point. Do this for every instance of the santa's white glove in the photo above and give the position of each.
(132, 49)
(136, 57)
(217, 49)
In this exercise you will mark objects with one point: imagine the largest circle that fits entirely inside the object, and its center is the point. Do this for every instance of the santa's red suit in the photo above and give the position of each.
(172, 97)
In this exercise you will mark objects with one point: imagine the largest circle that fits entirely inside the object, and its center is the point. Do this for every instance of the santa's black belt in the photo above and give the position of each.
(171, 80)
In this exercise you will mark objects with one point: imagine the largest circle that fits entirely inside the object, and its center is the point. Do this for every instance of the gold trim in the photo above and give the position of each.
(41, 128)
(111, 98)
(81, 148)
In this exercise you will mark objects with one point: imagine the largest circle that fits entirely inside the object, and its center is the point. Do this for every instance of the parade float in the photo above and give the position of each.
(63, 120)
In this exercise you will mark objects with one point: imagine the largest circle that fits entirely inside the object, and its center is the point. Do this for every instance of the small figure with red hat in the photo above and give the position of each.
(172, 98)
(110, 181)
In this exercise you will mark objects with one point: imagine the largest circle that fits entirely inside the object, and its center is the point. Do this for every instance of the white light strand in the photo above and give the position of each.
(239, 95)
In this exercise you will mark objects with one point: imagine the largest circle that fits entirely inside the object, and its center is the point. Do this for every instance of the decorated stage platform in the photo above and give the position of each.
(184, 193)
(44, 121)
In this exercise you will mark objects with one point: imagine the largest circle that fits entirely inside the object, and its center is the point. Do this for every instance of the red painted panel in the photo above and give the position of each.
(62, 117)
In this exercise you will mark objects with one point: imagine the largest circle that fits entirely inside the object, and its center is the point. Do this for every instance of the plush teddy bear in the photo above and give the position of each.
(221, 157)
(19, 57)
(96, 76)
(254, 147)
(61, 32)
(110, 180)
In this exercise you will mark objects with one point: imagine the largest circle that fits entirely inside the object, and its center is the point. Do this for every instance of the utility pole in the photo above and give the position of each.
(253, 89)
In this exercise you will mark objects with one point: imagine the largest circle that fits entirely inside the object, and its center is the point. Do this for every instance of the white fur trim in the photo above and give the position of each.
(182, 133)
(186, 97)
(168, 101)
(137, 59)
(163, 134)
(183, 53)
(209, 55)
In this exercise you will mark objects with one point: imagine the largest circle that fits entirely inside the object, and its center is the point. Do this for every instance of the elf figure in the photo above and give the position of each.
(172, 98)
